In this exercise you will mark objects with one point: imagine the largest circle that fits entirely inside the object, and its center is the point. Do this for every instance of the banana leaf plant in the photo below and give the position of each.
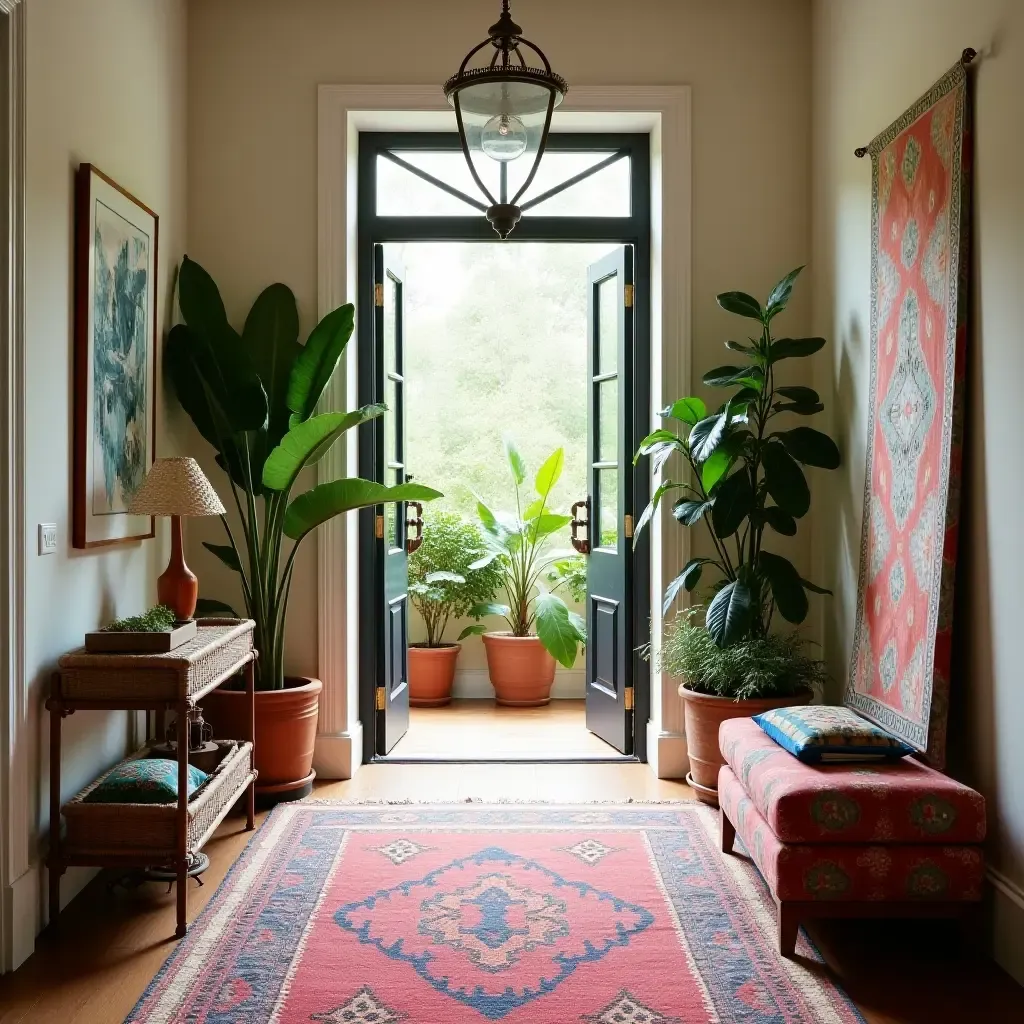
(746, 479)
(253, 396)
(519, 545)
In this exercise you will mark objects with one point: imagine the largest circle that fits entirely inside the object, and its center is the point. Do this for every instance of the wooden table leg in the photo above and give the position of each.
(250, 689)
(184, 714)
(54, 865)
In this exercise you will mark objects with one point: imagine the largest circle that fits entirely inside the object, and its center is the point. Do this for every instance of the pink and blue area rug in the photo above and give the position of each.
(524, 914)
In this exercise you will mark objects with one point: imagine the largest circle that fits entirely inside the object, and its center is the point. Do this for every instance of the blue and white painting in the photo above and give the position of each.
(121, 331)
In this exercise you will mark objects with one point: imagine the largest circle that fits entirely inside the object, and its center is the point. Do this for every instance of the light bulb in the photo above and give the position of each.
(503, 138)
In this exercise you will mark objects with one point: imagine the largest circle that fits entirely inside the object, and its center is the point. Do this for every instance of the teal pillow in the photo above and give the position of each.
(146, 780)
(818, 734)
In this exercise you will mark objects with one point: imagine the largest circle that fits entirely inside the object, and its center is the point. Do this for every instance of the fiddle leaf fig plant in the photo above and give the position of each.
(519, 544)
(253, 396)
(746, 481)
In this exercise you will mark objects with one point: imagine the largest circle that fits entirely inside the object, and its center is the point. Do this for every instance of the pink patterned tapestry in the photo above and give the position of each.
(899, 674)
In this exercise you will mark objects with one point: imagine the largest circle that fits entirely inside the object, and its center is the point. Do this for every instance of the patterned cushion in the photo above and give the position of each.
(902, 802)
(816, 734)
(818, 871)
(145, 780)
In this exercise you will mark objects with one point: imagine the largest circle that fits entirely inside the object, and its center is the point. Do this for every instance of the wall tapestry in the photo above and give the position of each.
(899, 673)
(115, 359)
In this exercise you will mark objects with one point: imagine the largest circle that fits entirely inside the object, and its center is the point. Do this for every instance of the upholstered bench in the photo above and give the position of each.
(849, 840)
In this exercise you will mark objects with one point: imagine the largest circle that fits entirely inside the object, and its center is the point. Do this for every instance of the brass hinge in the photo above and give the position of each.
(381, 698)
(627, 525)
(628, 290)
(628, 698)
(378, 294)
(378, 527)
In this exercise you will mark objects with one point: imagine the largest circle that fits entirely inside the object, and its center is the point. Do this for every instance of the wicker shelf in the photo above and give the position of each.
(147, 834)
(144, 835)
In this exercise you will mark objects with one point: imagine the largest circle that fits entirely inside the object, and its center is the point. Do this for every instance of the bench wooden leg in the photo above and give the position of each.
(728, 832)
(788, 926)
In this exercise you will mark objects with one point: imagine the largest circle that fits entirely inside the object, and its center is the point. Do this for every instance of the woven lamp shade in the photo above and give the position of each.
(176, 487)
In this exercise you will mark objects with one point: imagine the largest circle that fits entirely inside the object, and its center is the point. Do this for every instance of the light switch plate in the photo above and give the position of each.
(47, 538)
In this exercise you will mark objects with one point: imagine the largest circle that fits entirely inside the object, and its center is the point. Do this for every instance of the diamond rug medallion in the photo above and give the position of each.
(627, 914)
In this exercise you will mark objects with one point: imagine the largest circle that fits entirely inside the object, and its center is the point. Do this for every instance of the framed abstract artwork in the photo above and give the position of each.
(920, 192)
(115, 359)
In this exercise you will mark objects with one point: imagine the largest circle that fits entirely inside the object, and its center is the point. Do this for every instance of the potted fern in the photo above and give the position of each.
(745, 485)
(253, 396)
(541, 627)
(443, 587)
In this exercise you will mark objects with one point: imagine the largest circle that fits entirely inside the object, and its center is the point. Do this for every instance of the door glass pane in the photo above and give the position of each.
(608, 420)
(604, 194)
(394, 512)
(607, 325)
(391, 353)
(607, 509)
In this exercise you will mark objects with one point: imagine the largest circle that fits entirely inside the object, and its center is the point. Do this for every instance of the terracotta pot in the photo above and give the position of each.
(520, 668)
(285, 734)
(704, 713)
(431, 674)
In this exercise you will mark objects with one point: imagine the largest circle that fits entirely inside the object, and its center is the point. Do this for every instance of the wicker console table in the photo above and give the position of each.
(170, 682)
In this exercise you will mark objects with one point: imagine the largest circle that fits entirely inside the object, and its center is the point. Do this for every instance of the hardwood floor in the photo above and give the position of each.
(480, 729)
(112, 942)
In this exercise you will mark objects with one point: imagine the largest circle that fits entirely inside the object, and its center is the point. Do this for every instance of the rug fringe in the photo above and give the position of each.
(478, 801)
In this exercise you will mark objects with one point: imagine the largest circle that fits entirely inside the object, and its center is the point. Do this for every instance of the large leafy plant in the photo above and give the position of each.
(519, 544)
(746, 479)
(443, 585)
(253, 396)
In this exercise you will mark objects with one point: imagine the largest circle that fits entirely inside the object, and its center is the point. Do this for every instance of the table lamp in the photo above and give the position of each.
(176, 487)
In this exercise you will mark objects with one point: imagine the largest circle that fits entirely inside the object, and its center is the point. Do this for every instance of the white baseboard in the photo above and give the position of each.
(475, 683)
(23, 902)
(1007, 924)
(666, 753)
(338, 755)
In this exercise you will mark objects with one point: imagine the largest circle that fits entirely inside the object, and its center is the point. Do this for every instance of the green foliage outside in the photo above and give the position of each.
(773, 665)
(746, 478)
(253, 396)
(443, 585)
(158, 619)
(518, 543)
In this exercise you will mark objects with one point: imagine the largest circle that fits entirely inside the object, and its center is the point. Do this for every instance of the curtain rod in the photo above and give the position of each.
(965, 58)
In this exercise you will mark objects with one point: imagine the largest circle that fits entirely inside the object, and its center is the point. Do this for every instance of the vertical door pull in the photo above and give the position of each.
(581, 544)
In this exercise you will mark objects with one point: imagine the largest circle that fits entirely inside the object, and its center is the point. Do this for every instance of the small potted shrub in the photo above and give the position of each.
(542, 629)
(746, 485)
(443, 587)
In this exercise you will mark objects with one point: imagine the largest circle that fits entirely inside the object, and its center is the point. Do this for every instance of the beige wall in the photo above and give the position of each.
(106, 85)
(873, 58)
(254, 66)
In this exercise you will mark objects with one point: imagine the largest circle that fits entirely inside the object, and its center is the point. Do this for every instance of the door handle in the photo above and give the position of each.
(581, 544)
(416, 522)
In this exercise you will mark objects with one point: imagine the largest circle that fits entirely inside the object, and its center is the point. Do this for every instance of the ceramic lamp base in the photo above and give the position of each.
(178, 587)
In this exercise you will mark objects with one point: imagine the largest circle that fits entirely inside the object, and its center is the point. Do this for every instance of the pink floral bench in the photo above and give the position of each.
(857, 840)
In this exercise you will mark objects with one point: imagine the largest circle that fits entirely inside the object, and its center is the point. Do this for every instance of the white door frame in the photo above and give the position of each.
(18, 884)
(344, 111)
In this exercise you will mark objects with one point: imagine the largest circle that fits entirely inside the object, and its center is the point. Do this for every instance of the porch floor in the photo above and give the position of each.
(481, 730)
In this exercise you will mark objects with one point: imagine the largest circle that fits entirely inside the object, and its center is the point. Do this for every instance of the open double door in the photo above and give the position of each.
(605, 509)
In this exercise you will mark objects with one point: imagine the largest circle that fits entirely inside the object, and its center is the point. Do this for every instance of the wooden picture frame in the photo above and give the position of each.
(116, 249)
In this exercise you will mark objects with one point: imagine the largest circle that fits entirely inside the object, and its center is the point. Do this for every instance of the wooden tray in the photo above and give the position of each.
(113, 642)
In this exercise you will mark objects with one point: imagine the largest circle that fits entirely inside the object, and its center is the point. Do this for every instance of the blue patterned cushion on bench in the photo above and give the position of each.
(815, 733)
(146, 780)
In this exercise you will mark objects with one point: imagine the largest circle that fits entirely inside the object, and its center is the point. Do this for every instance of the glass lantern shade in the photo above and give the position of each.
(503, 109)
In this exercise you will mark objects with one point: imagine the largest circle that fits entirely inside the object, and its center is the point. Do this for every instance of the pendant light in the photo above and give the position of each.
(503, 108)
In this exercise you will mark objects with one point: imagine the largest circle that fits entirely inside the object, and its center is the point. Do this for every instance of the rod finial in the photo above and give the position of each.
(968, 55)
(860, 151)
